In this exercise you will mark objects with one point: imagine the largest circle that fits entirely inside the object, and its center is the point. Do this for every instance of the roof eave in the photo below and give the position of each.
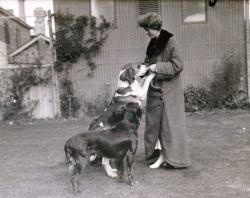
(11, 16)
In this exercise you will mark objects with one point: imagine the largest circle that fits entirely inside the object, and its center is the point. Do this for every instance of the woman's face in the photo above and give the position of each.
(152, 33)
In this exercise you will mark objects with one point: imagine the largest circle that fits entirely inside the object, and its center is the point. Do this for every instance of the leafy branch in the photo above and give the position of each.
(77, 36)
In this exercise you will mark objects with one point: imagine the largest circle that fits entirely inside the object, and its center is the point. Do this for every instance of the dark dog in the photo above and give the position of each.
(111, 115)
(119, 143)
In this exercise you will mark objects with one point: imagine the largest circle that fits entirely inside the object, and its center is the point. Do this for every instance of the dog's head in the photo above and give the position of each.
(133, 113)
(113, 114)
(131, 71)
(116, 113)
(141, 69)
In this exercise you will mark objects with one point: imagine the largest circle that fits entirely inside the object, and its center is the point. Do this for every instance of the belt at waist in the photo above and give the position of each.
(155, 92)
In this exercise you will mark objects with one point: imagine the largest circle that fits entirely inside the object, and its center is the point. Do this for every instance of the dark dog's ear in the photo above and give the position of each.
(135, 108)
(140, 112)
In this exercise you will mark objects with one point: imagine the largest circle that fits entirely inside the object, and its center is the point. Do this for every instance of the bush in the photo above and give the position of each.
(11, 108)
(223, 91)
(21, 80)
(68, 102)
(95, 107)
(195, 99)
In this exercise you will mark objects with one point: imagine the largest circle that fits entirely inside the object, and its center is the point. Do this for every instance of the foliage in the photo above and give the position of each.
(73, 40)
(224, 89)
(222, 92)
(76, 37)
(95, 107)
(21, 80)
(69, 104)
(195, 99)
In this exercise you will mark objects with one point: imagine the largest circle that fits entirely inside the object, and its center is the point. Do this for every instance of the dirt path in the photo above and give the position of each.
(32, 162)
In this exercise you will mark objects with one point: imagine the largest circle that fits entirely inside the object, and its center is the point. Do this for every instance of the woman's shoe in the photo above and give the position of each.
(158, 162)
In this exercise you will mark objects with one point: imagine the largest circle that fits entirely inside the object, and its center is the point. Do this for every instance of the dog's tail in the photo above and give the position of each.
(67, 153)
(71, 158)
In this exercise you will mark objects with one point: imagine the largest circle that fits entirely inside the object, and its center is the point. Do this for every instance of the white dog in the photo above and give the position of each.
(132, 87)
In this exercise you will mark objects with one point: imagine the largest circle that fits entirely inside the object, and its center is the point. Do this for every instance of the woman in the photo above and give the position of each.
(165, 131)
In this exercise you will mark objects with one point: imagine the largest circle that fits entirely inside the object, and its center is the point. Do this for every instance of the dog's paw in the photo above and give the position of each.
(110, 171)
(122, 179)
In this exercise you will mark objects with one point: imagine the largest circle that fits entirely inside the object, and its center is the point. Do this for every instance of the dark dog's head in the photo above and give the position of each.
(133, 113)
(113, 114)
(116, 113)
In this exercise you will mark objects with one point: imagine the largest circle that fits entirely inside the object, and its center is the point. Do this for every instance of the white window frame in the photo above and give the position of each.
(195, 17)
(109, 19)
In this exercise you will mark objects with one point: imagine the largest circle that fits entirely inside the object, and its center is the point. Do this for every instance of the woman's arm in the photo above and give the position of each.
(173, 65)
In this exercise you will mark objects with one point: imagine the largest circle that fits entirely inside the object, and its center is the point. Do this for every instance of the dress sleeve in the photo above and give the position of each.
(173, 64)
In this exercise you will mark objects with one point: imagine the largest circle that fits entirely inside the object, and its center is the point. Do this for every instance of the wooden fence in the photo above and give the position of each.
(40, 96)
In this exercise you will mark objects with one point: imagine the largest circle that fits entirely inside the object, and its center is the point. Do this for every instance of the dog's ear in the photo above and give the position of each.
(128, 75)
(123, 76)
(139, 111)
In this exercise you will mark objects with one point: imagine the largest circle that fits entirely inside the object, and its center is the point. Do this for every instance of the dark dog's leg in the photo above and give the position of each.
(75, 169)
(130, 160)
(121, 168)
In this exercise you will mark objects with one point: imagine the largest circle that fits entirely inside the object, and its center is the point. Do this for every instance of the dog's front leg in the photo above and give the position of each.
(130, 160)
(144, 88)
(108, 169)
(121, 169)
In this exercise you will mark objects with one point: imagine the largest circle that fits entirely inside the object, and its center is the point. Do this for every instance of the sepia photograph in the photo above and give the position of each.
(125, 98)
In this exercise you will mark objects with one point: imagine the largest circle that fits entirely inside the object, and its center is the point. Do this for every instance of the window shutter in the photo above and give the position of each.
(7, 32)
(146, 6)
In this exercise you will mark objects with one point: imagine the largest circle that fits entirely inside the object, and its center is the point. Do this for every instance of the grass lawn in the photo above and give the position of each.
(32, 162)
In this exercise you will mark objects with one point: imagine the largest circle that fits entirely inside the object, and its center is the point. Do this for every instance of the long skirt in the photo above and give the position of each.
(157, 128)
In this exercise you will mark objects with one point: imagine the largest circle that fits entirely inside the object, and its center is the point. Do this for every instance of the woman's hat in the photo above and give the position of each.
(150, 20)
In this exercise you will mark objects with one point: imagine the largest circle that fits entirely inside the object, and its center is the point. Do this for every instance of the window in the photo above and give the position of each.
(6, 33)
(145, 6)
(18, 37)
(194, 11)
(104, 8)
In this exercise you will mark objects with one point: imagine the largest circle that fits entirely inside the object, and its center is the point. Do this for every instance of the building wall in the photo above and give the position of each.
(203, 45)
(41, 94)
(13, 26)
(37, 53)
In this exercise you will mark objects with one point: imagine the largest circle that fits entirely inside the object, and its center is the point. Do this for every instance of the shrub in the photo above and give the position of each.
(68, 102)
(223, 91)
(21, 80)
(95, 107)
(195, 99)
